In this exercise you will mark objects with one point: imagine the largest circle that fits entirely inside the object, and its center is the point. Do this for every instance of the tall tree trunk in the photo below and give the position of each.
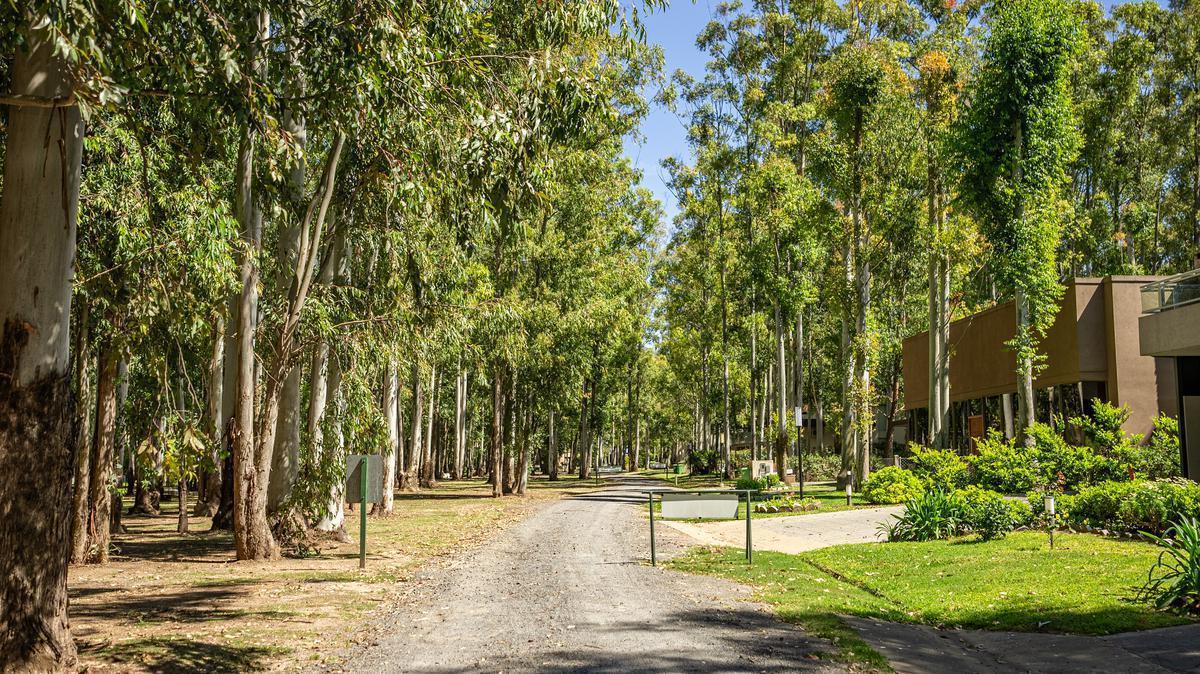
(210, 499)
(552, 447)
(223, 518)
(37, 442)
(409, 479)
(585, 430)
(285, 459)
(460, 423)
(428, 464)
(1025, 401)
(83, 444)
(496, 447)
(251, 467)
(521, 480)
(102, 454)
(781, 429)
(798, 380)
(391, 407)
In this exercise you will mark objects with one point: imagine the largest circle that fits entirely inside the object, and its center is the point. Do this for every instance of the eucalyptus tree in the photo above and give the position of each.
(866, 163)
(1017, 140)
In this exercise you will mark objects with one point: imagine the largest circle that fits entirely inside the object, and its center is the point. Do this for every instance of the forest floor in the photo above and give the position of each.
(181, 603)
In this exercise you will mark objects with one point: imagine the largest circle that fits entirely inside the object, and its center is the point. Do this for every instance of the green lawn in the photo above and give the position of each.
(1083, 586)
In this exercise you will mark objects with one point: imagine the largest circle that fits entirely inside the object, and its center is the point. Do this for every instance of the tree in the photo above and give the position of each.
(1016, 141)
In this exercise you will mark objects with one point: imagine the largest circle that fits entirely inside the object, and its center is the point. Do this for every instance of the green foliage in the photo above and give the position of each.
(931, 516)
(758, 483)
(988, 514)
(1174, 580)
(937, 468)
(1159, 458)
(1141, 505)
(1003, 466)
(821, 467)
(1016, 142)
(892, 485)
(702, 462)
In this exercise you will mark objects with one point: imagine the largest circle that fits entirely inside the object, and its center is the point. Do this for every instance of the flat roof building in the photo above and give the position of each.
(1170, 328)
(1091, 351)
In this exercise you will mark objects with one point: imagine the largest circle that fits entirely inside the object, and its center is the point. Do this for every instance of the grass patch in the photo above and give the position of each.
(1083, 586)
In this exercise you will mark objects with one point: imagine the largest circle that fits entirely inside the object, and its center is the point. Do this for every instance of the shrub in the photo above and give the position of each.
(1003, 466)
(892, 485)
(702, 462)
(988, 514)
(930, 516)
(1174, 580)
(760, 483)
(818, 466)
(1142, 505)
(938, 467)
(1159, 458)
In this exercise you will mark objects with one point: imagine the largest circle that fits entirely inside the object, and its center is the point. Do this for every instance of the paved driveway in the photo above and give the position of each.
(794, 534)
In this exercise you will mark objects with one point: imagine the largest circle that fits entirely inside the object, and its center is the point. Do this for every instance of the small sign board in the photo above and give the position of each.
(761, 468)
(354, 465)
(692, 506)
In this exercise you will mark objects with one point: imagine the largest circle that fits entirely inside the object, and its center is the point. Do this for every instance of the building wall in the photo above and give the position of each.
(1094, 337)
(1145, 384)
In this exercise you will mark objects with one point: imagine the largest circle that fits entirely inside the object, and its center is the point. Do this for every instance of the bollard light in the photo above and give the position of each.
(849, 494)
(1048, 501)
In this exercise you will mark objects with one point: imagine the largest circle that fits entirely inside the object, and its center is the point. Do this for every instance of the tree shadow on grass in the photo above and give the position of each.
(197, 605)
(169, 655)
(208, 547)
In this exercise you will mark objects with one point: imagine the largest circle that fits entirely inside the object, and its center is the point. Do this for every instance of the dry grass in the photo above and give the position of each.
(183, 603)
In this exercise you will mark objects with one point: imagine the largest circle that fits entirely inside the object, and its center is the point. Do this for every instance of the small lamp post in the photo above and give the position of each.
(849, 493)
(1048, 502)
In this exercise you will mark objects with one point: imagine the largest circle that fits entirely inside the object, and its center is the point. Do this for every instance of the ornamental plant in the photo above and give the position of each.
(892, 485)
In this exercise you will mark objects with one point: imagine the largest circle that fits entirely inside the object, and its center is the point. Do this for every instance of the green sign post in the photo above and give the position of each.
(362, 489)
(362, 514)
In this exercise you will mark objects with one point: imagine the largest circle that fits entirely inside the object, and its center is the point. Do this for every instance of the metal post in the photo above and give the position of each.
(362, 510)
(749, 544)
(800, 466)
(653, 556)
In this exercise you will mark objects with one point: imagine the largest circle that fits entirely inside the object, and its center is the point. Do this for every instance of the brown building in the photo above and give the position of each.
(1170, 328)
(1091, 351)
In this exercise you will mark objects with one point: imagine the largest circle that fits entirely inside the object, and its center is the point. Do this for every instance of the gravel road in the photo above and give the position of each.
(566, 590)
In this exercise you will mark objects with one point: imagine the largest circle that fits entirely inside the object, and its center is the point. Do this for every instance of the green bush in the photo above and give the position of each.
(1003, 466)
(930, 516)
(937, 467)
(760, 483)
(988, 514)
(892, 485)
(1174, 580)
(1142, 505)
(702, 462)
(1158, 459)
(818, 466)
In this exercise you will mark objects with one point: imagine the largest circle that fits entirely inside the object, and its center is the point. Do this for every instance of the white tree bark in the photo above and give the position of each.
(38, 210)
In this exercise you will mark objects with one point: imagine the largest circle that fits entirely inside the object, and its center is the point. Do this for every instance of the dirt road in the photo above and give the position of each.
(567, 591)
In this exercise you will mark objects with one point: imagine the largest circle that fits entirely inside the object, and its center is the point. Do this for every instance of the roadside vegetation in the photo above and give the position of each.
(1086, 585)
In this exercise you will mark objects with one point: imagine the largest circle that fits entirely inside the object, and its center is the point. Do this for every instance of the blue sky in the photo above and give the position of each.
(674, 29)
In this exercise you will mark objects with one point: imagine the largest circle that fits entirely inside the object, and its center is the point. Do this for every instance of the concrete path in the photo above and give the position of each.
(794, 534)
(568, 590)
(916, 649)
